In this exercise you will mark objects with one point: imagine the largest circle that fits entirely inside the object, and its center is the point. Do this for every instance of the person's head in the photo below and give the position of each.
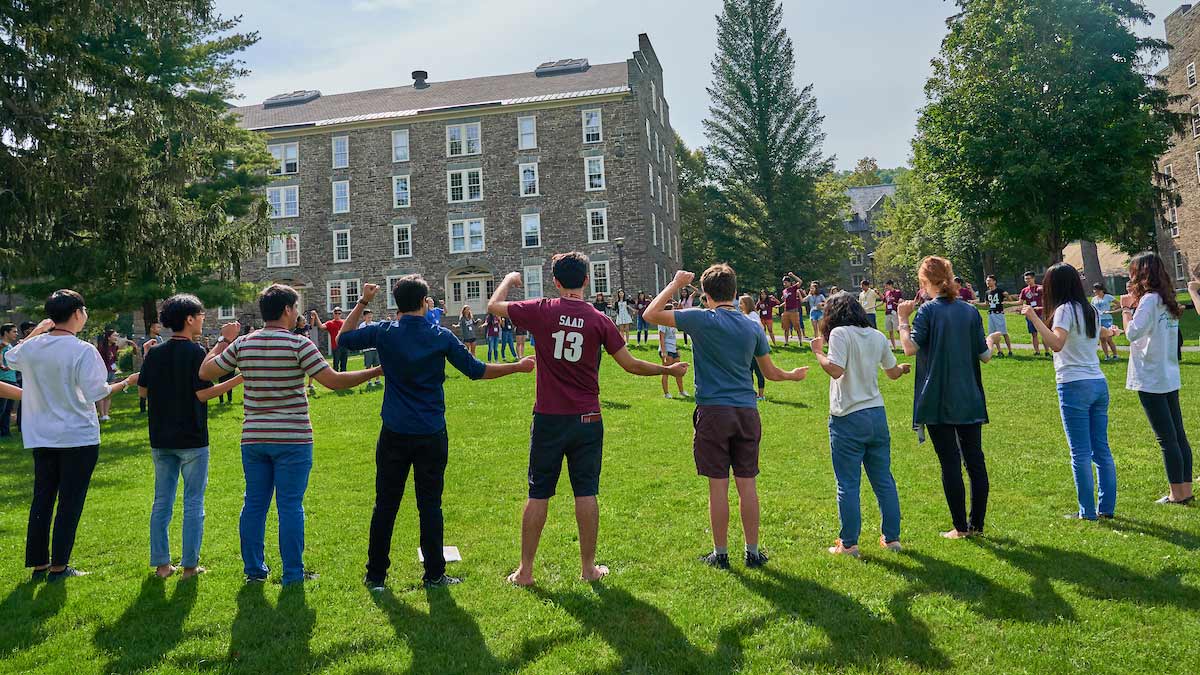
(1030, 279)
(183, 313)
(1099, 291)
(570, 271)
(155, 328)
(411, 294)
(620, 294)
(889, 285)
(814, 288)
(669, 306)
(110, 336)
(465, 312)
(746, 304)
(337, 313)
(599, 297)
(936, 275)
(301, 322)
(1148, 274)
(641, 295)
(278, 303)
(959, 281)
(1061, 286)
(991, 281)
(843, 309)
(66, 309)
(26, 327)
(367, 315)
(866, 285)
(719, 283)
(834, 289)
(762, 294)
(8, 333)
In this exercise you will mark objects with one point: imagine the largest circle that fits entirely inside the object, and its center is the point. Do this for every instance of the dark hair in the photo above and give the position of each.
(570, 269)
(62, 305)
(409, 292)
(275, 299)
(27, 326)
(7, 328)
(719, 282)
(177, 308)
(1029, 273)
(1062, 286)
(889, 282)
(1148, 274)
(367, 311)
(865, 282)
(958, 280)
(843, 309)
(992, 277)
(1099, 287)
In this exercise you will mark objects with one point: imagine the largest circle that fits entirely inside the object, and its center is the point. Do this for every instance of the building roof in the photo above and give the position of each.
(406, 101)
(1113, 263)
(866, 198)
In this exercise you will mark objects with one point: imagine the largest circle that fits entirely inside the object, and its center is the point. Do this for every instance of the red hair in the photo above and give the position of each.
(938, 273)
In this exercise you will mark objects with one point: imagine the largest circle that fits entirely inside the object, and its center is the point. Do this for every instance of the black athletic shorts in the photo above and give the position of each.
(578, 438)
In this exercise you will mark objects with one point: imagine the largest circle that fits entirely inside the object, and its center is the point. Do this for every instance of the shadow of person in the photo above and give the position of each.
(265, 639)
(790, 404)
(985, 597)
(24, 613)
(857, 638)
(1170, 535)
(149, 628)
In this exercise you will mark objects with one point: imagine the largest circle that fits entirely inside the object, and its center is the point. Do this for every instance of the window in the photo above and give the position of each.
(464, 186)
(284, 251)
(526, 133)
(400, 145)
(1196, 121)
(1191, 74)
(599, 277)
(666, 239)
(341, 196)
(654, 96)
(341, 152)
(654, 229)
(287, 158)
(341, 293)
(226, 313)
(1172, 212)
(656, 147)
(387, 290)
(660, 193)
(1180, 267)
(341, 246)
(593, 127)
(463, 139)
(594, 169)
(856, 260)
(529, 180)
(402, 241)
(597, 225)
(466, 236)
(284, 201)
(650, 175)
(531, 278)
(657, 279)
(674, 205)
(531, 230)
(649, 138)
(401, 192)
(856, 280)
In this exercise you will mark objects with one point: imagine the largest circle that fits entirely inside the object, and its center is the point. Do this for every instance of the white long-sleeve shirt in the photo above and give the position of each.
(1153, 348)
(62, 378)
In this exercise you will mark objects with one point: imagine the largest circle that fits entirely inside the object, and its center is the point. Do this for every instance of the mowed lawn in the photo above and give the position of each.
(1038, 594)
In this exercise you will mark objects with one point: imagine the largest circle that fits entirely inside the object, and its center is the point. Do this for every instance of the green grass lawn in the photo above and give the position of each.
(1038, 594)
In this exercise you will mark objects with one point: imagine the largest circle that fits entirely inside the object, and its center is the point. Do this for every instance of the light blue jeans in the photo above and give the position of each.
(168, 465)
(281, 469)
(862, 440)
(1084, 407)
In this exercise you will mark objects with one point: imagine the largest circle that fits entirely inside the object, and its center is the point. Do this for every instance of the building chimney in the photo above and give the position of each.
(419, 77)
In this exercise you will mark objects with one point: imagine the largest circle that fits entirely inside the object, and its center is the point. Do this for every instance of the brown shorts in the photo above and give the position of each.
(726, 438)
(791, 321)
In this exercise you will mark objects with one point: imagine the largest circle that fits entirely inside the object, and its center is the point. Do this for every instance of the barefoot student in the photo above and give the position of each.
(413, 353)
(727, 426)
(568, 336)
(177, 401)
(668, 351)
(1073, 335)
(1104, 303)
(858, 428)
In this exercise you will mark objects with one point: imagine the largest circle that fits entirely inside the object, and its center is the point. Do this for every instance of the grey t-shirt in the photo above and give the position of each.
(723, 345)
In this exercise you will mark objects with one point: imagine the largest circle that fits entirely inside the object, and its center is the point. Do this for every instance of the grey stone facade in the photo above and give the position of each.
(866, 204)
(1179, 241)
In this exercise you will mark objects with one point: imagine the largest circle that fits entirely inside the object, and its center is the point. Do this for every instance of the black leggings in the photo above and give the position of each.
(1167, 422)
(956, 445)
(762, 381)
(60, 475)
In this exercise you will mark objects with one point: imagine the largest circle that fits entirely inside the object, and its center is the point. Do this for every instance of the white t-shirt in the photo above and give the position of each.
(1153, 348)
(869, 299)
(1078, 359)
(666, 335)
(62, 378)
(860, 351)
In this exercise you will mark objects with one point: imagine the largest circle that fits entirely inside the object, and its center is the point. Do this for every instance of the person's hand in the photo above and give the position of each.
(683, 278)
(1194, 287)
(1116, 331)
(817, 345)
(906, 308)
(369, 291)
(798, 374)
(513, 278)
(43, 326)
(231, 330)
(905, 368)
(1127, 301)
(677, 369)
(1028, 311)
(131, 381)
(526, 365)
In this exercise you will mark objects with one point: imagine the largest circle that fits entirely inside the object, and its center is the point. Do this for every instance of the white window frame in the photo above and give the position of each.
(342, 285)
(465, 129)
(666, 238)
(408, 191)
(650, 176)
(537, 181)
(397, 228)
(281, 160)
(599, 128)
(336, 185)
(466, 181)
(654, 97)
(587, 177)
(660, 190)
(389, 284)
(588, 223)
(607, 277)
(283, 252)
(654, 230)
(226, 313)
(532, 290)
(521, 133)
(466, 225)
(1196, 121)
(396, 134)
(1191, 74)
(856, 259)
(283, 192)
(531, 217)
(1180, 267)
(337, 258)
(649, 138)
(333, 151)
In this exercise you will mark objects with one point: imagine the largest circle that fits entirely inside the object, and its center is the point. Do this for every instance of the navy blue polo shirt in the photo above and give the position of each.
(413, 353)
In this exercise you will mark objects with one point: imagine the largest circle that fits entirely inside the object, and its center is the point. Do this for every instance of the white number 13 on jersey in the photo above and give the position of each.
(568, 346)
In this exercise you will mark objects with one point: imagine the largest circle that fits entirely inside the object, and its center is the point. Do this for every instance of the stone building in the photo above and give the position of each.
(1179, 234)
(467, 180)
(866, 204)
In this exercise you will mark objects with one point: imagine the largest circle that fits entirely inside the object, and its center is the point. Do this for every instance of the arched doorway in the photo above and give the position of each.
(470, 286)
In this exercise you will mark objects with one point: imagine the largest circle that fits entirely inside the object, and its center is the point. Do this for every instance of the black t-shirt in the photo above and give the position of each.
(171, 375)
(995, 300)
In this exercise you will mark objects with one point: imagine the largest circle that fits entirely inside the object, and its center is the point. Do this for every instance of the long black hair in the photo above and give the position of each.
(843, 309)
(1063, 286)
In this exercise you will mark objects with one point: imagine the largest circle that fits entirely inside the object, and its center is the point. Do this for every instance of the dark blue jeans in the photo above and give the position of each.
(279, 469)
(857, 441)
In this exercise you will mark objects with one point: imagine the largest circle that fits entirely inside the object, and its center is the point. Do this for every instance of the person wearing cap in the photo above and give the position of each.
(333, 327)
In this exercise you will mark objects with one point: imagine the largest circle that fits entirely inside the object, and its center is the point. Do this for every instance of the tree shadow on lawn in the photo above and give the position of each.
(25, 611)
(149, 628)
(857, 637)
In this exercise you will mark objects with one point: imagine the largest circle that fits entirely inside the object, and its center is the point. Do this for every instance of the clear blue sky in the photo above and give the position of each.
(867, 59)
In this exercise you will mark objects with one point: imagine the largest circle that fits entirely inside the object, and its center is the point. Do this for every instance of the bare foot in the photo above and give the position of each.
(597, 573)
(164, 571)
(955, 534)
(189, 572)
(519, 578)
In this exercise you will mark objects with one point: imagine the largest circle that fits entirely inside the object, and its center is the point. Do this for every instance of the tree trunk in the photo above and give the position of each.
(989, 263)
(1091, 263)
(149, 313)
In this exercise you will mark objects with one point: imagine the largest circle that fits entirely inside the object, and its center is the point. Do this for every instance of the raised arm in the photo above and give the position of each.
(636, 366)
(498, 304)
(656, 312)
(314, 320)
(353, 321)
(210, 371)
(905, 310)
(1194, 291)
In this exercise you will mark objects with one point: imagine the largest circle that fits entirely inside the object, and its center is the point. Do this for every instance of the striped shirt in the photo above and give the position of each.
(274, 362)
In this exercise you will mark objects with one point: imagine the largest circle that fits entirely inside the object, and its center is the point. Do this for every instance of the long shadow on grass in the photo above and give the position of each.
(149, 628)
(1170, 535)
(857, 637)
(265, 639)
(24, 613)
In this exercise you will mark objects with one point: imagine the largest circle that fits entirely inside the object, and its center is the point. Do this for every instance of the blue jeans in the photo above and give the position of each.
(280, 469)
(1084, 407)
(493, 347)
(168, 464)
(861, 439)
(506, 341)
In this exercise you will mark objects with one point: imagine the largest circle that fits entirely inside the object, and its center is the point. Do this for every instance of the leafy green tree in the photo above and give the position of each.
(866, 172)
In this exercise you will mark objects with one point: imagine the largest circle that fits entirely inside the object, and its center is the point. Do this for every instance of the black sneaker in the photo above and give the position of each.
(717, 560)
(444, 580)
(39, 575)
(309, 575)
(1106, 516)
(68, 573)
(754, 560)
(374, 585)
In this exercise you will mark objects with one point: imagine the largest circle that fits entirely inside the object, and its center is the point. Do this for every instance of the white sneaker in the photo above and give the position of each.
(684, 394)
(666, 396)
(105, 418)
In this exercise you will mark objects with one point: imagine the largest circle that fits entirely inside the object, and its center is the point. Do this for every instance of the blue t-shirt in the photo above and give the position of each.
(413, 354)
(814, 302)
(724, 344)
(1103, 307)
(434, 316)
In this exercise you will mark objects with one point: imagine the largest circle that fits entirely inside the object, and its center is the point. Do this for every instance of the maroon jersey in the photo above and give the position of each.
(1032, 296)
(568, 335)
(792, 297)
(891, 300)
(765, 307)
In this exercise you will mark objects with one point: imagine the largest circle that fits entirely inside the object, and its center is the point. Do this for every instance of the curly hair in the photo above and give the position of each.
(939, 273)
(1148, 274)
(843, 309)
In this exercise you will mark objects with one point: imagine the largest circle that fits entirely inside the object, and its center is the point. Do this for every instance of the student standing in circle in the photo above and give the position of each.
(624, 315)
(766, 312)
(891, 302)
(643, 326)
(746, 306)
(1104, 306)
(869, 299)
(793, 299)
(668, 351)
(466, 329)
(994, 298)
(1032, 295)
